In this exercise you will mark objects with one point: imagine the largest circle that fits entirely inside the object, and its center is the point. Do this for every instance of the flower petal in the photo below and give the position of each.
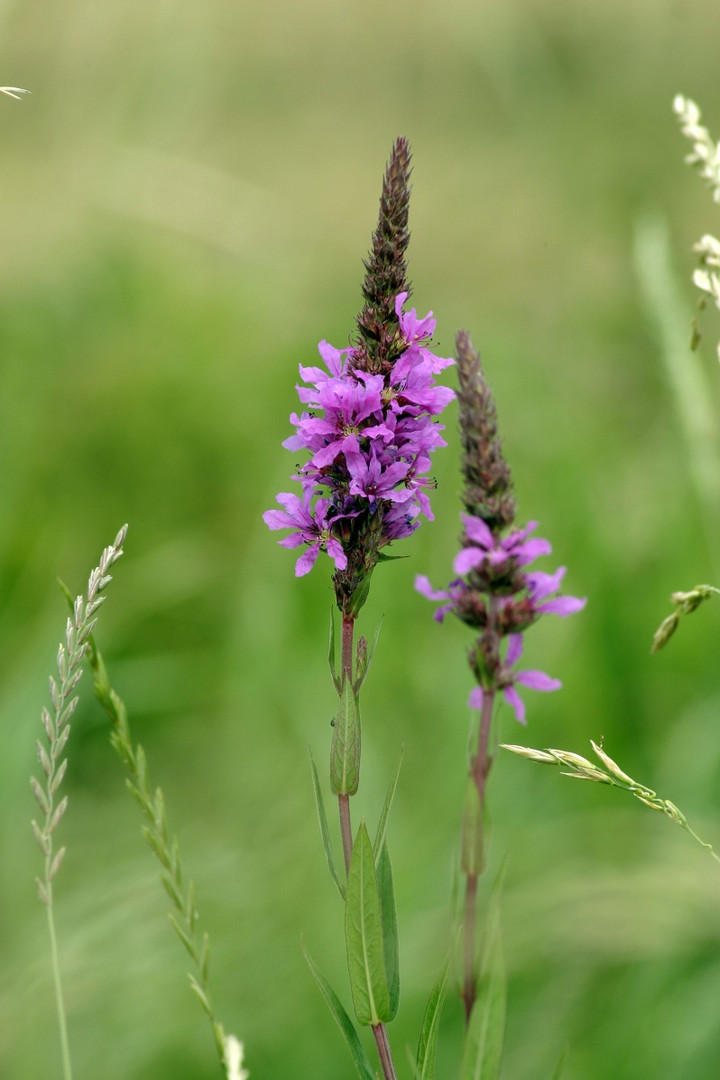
(515, 702)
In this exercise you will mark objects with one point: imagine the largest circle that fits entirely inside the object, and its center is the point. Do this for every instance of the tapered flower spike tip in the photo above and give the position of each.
(385, 267)
(488, 482)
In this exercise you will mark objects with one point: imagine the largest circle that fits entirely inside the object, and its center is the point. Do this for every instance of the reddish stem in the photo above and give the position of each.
(348, 630)
(480, 765)
(384, 1052)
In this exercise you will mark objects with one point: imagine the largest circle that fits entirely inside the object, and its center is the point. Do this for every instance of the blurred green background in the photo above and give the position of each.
(186, 199)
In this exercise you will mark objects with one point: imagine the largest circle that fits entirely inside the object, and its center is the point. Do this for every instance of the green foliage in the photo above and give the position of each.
(343, 1021)
(427, 1046)
(388, 917)
(482, 1052)
(484, 1038)
(345, 749)
(365, 937)
(324, 827)
(379, 841)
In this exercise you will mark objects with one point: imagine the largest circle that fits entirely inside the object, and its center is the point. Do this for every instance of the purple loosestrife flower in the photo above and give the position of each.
(492, 591)
(311, 525)
(534, 680)
(369, 420)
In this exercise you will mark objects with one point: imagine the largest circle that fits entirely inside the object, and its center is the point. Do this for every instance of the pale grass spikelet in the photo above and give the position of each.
(610, 773)
(56, 726)
(233, 1060)
(705, 156)
(13, 92)
(705, 152)
(56, 723)
(685, 603)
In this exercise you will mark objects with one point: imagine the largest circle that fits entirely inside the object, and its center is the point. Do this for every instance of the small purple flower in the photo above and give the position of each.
(369, 479)
(451, 596)
(312, 527)
(415, 331)
(486, 549)
(533, 680)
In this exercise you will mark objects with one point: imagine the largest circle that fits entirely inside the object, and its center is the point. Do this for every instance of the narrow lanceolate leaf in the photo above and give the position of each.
(483, 1048)
(427, 1047)
(491, 934)
(324, 828)
(388, 915)
(345, 749)
(343, 1021)
(364, 936)
(382, 824)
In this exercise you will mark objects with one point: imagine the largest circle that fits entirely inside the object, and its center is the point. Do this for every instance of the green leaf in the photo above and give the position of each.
(485, 1035)
(382, 824)
(345, 750)
(331, 654)
(343, 1021)
(491, 936)
(388, 914)
(427, 1047)
(324, 828)
(364, 936)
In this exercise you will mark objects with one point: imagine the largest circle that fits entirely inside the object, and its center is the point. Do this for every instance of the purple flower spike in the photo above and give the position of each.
(493, 592)
(368, 419)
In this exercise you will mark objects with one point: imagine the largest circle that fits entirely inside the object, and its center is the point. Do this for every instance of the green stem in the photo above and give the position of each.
(345, 829)
(708, 847)
(348, 631)
(59, 999)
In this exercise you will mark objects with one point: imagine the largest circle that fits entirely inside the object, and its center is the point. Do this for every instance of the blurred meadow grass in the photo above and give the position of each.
(186, 199)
